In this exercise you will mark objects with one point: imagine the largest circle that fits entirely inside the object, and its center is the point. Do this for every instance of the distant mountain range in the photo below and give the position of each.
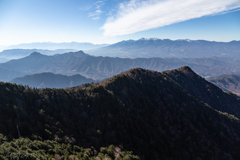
(50, 80)
(142, 48)
(174, 114)
(99, 68)
(10, 54)
(227, 82)
(166, 48)
(55, 46)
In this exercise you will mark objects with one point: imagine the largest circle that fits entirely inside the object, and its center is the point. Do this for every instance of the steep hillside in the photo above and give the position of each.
(227, 82)
(50, 80)
(150, 113)
(205, 91)
(166, 48)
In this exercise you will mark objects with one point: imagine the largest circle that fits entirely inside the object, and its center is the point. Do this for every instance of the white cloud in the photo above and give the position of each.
(140, 15)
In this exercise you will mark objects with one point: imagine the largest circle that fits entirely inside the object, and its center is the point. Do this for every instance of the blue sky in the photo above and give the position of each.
(110, 21)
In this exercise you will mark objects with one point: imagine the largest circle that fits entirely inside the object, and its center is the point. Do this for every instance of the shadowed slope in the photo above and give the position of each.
(205, 91)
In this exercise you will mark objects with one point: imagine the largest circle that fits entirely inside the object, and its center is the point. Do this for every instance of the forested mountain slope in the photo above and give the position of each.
(205, 91)
(150, 113)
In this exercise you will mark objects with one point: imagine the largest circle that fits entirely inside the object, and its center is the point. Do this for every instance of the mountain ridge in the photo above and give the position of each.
(50, 80)
(99, 68)
(150, 113)
(166, 48)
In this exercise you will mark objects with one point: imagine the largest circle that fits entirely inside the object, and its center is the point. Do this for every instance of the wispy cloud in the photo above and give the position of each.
(96, 14)
(140, 15)
(85, 8)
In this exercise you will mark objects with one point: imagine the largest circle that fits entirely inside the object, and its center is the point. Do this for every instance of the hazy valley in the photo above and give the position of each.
(10, 54)
(227, 82)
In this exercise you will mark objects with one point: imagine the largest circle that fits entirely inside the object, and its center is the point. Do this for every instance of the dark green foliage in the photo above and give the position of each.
(26, 149)
(142, 111)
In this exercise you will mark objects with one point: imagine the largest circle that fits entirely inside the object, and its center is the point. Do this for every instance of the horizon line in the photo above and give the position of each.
(186, 39)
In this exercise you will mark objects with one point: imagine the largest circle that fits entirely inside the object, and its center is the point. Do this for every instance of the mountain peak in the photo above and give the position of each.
(77, 54)
(185, 69)
(35, 54)
(135, 71)
(80, 52)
